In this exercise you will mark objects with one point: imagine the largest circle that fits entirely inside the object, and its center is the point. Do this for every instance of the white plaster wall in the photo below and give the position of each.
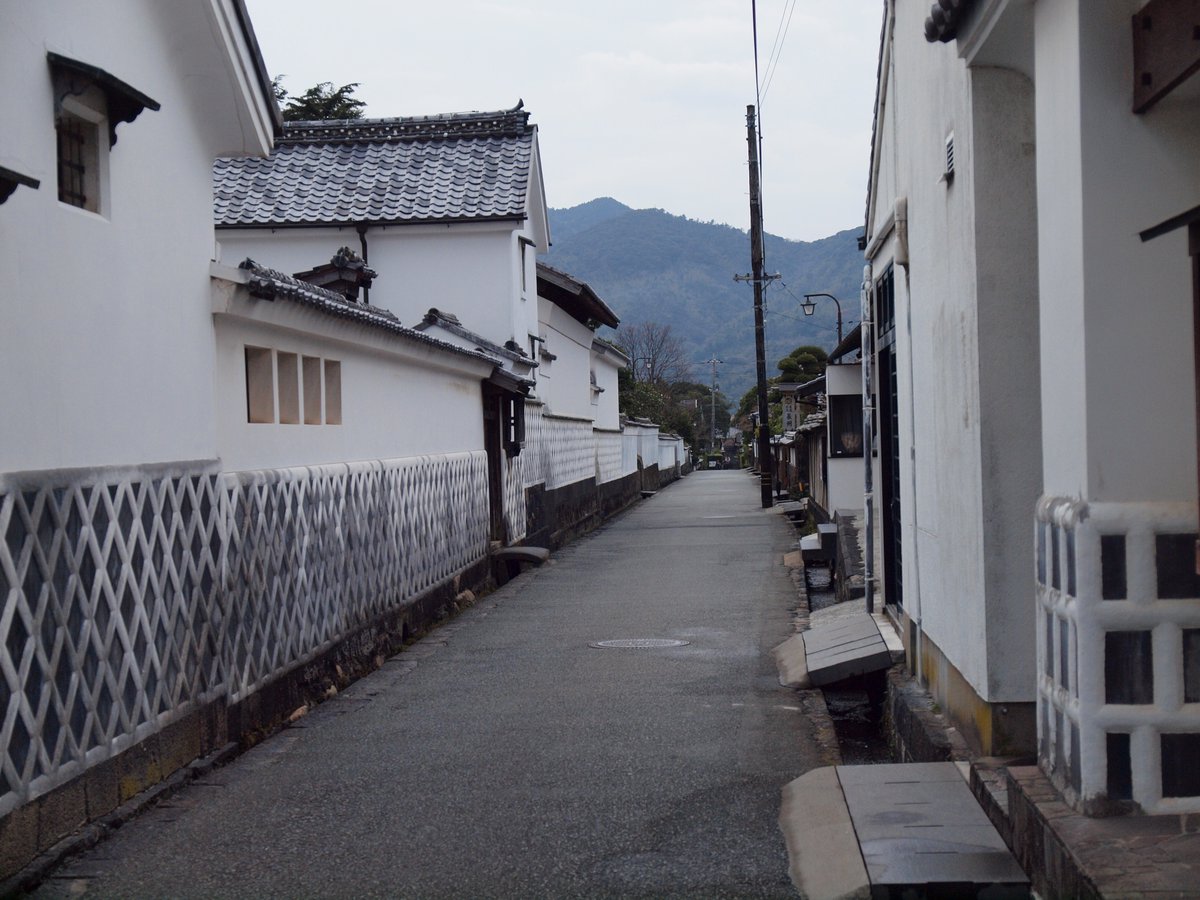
(470, 270)
(843, 379)
(967, 351)
(936, 344)
(565, 384)
(1010, 434)
(386, 403)
(846, 474)
(1114, 433)
(105, 334)
(607, 412)
(1060, 249)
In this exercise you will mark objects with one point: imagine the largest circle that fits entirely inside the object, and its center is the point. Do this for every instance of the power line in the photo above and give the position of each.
(773, 60)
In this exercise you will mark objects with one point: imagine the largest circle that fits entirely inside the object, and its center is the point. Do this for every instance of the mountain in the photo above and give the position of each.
(649, 265)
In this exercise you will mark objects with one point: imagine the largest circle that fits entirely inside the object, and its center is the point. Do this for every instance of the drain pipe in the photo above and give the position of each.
(868, 404)
(914, 605)
(361, 228)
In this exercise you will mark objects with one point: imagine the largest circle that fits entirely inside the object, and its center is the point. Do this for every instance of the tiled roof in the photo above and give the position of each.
(451, 323)
(574, 296)
(268, 284)
(452, 167)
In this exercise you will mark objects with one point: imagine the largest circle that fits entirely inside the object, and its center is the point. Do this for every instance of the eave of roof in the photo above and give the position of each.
(435, 317)
(945, 18)
(11, 180)
(269, 284)
(850, 344)
(125, 102)
(260, 67)
(574, 296)
(807, 389)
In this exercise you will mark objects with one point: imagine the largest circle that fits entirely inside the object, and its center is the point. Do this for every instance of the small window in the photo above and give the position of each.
(89, 103)
(78, 161)
(333, 392)
(845, 425)
(311, 371)
(301, 388)
(260, 385)
(513, 411)
(82, 152)
(288, 376)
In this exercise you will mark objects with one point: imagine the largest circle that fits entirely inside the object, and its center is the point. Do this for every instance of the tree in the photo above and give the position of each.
(682, 407)
(320, 102)
(800, 366)
(655, 353)
(803, 364)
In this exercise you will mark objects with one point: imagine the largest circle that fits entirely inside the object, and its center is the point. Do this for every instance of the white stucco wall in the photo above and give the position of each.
(106, 338)
(846, 478)
(472, 271)
(967, 352)
(1113, 432)
(607, 367)
(565, 383)
(388, 386)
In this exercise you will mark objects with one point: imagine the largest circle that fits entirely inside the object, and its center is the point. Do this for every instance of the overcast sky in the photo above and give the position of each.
(641, 100)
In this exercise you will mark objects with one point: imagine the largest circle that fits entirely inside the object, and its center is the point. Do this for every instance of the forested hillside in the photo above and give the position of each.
(649, 265)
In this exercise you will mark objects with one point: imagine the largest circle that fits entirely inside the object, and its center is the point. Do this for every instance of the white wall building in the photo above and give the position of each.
(111, 500)
(449, 213)
(951, 240)
(222, 472)
(1081, 139)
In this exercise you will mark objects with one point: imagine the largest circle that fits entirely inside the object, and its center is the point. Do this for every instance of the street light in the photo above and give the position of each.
(810, 306)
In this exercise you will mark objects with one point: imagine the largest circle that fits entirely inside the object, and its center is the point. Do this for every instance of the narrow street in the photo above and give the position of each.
(503, 756)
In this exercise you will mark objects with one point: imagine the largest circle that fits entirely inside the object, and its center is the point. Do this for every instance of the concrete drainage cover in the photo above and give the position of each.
(638, 643)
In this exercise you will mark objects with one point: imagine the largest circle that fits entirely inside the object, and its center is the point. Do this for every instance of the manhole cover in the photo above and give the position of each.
(638, 643)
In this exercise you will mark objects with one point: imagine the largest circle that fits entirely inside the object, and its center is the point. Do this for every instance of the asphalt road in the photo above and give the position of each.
(503, 756)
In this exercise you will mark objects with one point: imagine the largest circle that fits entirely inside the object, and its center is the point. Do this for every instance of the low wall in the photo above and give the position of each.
(155, 614)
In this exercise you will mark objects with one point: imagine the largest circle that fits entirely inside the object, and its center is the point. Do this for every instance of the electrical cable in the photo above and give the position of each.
(773, 66)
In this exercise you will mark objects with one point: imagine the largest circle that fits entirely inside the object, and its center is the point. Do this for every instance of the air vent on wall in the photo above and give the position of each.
(948, 175)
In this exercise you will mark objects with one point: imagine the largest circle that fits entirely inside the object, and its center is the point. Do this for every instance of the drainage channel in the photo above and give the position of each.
(856, 704)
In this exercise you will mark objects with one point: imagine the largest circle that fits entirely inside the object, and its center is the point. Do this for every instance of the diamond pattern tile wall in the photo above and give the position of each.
(609, 463)
(131, 596)
(111, 619)
(315, 552)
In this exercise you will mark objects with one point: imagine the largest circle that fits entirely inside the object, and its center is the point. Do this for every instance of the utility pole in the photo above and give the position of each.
(712, 418)
(765, 467)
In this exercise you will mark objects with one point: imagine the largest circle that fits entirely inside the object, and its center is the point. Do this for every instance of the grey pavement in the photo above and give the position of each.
(502, 756)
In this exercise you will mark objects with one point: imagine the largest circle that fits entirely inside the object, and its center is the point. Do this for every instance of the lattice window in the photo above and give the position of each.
(1118, 620)
(289, 389)
(78, 158)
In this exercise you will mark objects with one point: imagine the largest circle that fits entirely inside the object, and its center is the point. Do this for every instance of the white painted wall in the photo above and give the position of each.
(565, 384)
(472, 270)
(386, 402)
(1112, 434)
(607, 366)
(845, 483)
(106, 336)
(967, 351)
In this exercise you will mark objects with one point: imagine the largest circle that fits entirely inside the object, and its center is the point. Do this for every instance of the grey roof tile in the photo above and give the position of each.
(422, 169)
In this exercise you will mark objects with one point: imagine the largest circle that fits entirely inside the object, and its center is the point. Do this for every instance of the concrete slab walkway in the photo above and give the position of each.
(895, 830)
(505, 756)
